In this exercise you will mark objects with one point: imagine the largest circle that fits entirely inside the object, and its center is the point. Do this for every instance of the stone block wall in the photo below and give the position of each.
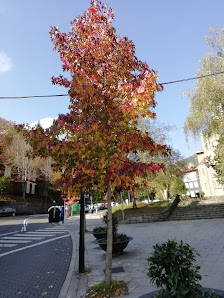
(24, 208)
(155, 217)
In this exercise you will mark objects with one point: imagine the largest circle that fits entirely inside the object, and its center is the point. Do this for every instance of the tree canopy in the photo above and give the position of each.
(206, 115)
(207, 99)
(109, 90)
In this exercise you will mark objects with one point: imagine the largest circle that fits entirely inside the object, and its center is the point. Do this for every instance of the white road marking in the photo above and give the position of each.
(40, 234)
(8, 233)
(22, 238)
(7, 245)
(28, 236)
(32, 245)
(53, 232)
(24, 225)
(55, 228)
(15, 241)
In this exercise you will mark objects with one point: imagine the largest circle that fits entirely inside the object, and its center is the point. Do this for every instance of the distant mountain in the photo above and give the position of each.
(191, 160)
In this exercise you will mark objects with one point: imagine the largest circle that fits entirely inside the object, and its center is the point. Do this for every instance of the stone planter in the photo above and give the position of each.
(102, 235)
(220, 293)
(118, 247)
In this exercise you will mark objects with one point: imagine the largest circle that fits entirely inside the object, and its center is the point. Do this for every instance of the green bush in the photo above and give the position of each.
(4, 184)
(100, 230)
(171, 268)
(114, 223)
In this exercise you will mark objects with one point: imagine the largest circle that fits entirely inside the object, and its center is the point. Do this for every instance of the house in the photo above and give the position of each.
(199, 176)
(191, 177)
(192, 182)
(209, 183)
(17, 179)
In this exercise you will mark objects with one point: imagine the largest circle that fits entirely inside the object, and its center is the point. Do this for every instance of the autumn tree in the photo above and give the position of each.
(109, 89)
(6, 135)
(206, 115)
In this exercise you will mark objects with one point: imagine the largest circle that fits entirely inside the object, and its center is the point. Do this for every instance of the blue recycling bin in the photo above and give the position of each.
(62, 213)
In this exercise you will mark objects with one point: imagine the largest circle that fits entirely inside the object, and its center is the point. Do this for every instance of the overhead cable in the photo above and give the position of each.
(60, 95)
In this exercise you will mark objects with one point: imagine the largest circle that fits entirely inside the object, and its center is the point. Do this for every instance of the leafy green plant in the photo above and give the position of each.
(100, 230)
(114, 223)
(171, 268)
(202, 193)
(4, 184)
(118, 238)
(121, 237)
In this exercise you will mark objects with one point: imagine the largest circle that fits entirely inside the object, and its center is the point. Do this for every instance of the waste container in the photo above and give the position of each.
(75, 209)
(62, 213)
(54, 214)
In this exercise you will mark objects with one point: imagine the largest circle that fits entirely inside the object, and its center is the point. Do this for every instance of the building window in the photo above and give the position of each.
(196, 184)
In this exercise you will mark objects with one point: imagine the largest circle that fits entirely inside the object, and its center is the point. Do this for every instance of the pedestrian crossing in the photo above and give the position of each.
(12, 240)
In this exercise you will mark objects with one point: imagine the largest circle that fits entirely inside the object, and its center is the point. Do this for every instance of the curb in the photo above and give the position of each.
(75, 284)
(72, 266)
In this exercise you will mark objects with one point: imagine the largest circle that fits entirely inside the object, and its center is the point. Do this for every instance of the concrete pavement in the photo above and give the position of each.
(205, 236)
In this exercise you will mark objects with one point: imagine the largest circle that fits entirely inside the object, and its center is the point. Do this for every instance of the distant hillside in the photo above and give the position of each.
(191, 160)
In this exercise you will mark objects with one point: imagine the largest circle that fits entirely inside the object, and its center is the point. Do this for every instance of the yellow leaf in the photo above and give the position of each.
(43, 294)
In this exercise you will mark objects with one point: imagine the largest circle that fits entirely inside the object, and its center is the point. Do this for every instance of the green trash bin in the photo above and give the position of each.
(75, 209)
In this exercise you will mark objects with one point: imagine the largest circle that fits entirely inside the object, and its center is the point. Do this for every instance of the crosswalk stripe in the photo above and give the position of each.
(8, 233)
(32, 245)
(15, 241)
(28, 236)
(22, 238)
(62, 228)
(55, 232)
(7, 245)
(40, 234)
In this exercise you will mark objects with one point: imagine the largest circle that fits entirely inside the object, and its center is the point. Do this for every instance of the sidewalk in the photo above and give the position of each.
(205, 236)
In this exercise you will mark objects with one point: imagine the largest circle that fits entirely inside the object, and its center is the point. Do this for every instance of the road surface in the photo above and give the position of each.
(34, 257)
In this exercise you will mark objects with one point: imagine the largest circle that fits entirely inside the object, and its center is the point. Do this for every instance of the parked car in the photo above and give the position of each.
(87, 208)
(100, 206)
(7, 210)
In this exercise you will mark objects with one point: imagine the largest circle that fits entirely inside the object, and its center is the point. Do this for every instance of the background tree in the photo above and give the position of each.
(4, 184)
(6, 135)
(164, 183)
(178, 187)
(207, 99)
(109, 89)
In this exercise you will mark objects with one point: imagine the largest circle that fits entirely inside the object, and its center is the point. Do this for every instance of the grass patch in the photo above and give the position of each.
(115, 289)
(28, 198)
(142, 209)
(87, 270)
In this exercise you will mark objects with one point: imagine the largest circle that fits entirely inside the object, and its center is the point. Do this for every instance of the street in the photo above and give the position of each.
(34, 256)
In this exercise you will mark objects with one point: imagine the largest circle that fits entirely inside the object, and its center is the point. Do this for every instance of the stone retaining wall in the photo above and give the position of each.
(155, 217)
(24, 208)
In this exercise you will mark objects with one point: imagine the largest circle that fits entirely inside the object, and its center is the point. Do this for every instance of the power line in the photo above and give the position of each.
(32, 96)
(194, 78)
(60, 95)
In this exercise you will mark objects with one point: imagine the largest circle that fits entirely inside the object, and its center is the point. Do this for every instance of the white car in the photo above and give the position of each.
(87, 208)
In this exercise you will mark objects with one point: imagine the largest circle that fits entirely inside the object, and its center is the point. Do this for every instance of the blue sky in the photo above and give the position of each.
(168, 35)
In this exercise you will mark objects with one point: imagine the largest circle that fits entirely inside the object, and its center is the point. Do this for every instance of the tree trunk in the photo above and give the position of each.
(24, 191)
(129, 198)
(108, 266)
(134, 202)
(162, 192)
(82, 235)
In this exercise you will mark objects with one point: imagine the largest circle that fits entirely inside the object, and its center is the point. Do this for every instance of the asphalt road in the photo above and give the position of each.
(34, 257)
